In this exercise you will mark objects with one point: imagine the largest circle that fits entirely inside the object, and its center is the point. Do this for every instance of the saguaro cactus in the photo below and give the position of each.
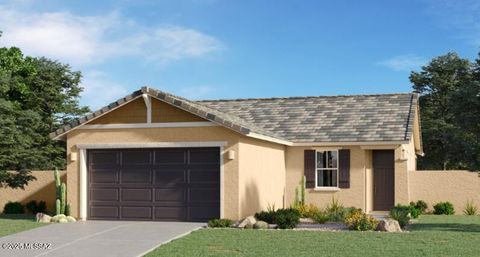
(60, 194)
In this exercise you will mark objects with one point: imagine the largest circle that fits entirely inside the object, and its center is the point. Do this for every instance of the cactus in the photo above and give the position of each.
(302, 190)
(62, 198)
(67, 209)
(60, 203)
(57, 206)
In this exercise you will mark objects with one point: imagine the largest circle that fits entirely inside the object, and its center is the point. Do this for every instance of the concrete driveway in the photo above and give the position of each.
(95, 238)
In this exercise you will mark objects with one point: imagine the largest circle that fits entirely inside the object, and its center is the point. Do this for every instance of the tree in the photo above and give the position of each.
(37, 96)
(449, 112)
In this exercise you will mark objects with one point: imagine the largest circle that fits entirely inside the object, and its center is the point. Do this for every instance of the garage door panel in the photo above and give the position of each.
(209, 155)
(137, 212)
(137, 194)
(203, 212)
(104, 176)
(103, 157)
(173, 194)
(141, 175)
(170, 156)
(203, 176)
(170, 213)
(136, 157)
(203, 195)
(104, 194)
(154, 184)
(104, 212)
(169, 178)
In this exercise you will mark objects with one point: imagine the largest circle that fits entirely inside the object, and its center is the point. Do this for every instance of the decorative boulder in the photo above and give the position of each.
(248, 221)
(43, 218)
(260, 225)
(70, 219)
(57, 218)
(389, 225)
(248, 226)
(63, 220)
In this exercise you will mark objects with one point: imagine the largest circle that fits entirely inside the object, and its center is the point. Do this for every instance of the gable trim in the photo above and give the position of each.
(151, 125)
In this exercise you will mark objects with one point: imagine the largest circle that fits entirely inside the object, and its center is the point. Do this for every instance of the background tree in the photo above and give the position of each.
(450, 111)
(37, 96)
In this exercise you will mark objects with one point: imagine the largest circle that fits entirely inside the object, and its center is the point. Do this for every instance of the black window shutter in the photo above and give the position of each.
(309, 168)
(344, 168)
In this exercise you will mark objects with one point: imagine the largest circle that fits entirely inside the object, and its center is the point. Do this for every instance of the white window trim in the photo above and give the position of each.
(326, 188)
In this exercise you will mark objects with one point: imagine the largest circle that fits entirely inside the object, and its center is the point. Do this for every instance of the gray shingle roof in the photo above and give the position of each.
(354, 118)
(349, 118)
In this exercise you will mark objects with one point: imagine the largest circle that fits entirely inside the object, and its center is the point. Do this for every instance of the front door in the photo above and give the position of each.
(383, 180)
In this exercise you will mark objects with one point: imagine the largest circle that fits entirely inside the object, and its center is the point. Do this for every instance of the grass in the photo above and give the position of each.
(430, 236)
(14, 223)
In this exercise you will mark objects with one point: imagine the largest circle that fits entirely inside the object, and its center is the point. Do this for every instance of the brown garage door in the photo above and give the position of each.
(181, 184)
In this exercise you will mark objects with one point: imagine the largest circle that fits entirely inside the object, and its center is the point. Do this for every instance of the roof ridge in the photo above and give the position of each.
(300, 97)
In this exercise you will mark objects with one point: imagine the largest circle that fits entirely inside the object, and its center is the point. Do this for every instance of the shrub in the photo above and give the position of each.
(287, 218)
(13, 208)
(422, 206)
(470, 208)
(445, 208)
(320, 217)
(34, 207)
(400, 214)
(220, 223)
(336, 212)
(307, 210)
(267, 216)
(358, 220)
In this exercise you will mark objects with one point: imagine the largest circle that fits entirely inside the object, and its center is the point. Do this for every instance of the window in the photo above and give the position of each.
(327, 169)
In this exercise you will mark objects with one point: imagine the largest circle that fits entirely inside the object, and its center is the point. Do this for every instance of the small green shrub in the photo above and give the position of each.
(220, 223)
(267, 216)
(287, 218)
(400, 214)
(470, 208)
(13, 208)
(358, 220)
(422, 206)
(320, 217)
(34, 207)
(443, 208)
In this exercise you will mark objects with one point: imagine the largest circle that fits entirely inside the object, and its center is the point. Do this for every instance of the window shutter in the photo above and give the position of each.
(344, 168)
(309, 168)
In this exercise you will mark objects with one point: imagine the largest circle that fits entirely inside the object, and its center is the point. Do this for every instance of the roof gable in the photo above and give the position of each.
(295, 120)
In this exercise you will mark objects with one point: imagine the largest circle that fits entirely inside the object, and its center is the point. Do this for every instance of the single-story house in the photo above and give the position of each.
(155, 156)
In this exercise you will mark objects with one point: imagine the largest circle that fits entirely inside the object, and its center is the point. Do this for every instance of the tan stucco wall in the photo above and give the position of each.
(42, 189)
(151, 135)
(353, 196)
(133, 112)
(162, 112)
(456, 187)
(261, 176)
(368, 181)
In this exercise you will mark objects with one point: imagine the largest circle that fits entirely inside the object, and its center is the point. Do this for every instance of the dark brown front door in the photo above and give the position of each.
(178, 184)
(383, 180)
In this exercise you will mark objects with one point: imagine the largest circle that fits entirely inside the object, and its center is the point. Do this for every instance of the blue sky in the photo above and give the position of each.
(207, 49)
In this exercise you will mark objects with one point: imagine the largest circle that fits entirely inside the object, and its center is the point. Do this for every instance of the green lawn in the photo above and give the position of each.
(430, 236)
(14, 223)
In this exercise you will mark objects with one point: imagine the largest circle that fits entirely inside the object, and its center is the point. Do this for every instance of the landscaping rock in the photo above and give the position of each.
(389, 225)
(57, 218)
(260, 225)
(43, 218)
(63, 220)
(250, 220)
(70, 219)
(248, 226)
(272, 226)
(307, 221)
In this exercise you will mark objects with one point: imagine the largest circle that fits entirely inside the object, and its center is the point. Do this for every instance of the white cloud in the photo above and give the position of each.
(86, 40)
(99, 90)
(407, 62)
(461, 16)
